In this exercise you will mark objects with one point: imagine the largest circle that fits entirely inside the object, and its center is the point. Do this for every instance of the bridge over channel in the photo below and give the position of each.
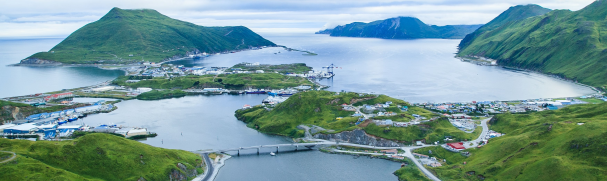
(296, 145)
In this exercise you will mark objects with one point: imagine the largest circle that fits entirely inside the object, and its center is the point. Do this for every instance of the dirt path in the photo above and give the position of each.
(10, 159)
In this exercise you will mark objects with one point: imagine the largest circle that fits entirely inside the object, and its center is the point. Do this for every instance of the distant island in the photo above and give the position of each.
(568, 44)
(131, 36)
(326, 31)
(400, 28)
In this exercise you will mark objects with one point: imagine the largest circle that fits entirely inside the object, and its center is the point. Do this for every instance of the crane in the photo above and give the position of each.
(330, 69)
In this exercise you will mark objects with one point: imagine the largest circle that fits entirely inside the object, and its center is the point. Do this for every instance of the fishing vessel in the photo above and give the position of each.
(72, 118)
(256, 91)
(82, 115)
(61, 120)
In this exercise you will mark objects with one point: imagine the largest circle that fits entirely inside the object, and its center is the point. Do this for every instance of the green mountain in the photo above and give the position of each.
(126, 36)
(566, 43)
(547, 145)
(96, 156)
(401, 28)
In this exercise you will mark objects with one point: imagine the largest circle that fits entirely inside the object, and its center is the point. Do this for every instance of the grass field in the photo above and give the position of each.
(231, 81)
(410, 172)
(298, 68)
(592, 100)
(162, 94)
(5, 156)
(547, 145)
(93, 157)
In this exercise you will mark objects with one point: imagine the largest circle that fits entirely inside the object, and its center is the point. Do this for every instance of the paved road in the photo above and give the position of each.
(210, 168)
(480, 137)
(11, 158)
(408, 153)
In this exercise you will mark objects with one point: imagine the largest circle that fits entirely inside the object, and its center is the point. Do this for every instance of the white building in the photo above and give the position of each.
(143, 89)
(102, 89)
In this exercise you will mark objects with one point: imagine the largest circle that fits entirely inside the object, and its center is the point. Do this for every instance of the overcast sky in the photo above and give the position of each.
(58, 18)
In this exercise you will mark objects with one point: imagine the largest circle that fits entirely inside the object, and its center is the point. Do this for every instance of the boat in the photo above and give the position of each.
(256, 92)
(61, 122)
(72, 118)
(82, 115)
(272, 153)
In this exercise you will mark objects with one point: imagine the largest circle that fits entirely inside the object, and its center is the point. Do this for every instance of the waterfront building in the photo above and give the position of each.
(58, 96)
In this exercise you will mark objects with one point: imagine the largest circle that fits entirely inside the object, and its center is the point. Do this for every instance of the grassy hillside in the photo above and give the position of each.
(230, 81)
(566, 43)
(548, 145)
(164, 94)
(507, 18)
(402, 28)
(297, 68)
(321, 108)
(93, 157)
(145, 34)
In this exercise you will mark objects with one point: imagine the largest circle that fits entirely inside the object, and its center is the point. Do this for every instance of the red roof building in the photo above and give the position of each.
(58, 96)
(457, 146)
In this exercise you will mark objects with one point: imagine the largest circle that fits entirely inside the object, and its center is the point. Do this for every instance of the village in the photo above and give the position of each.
(62, 124)
(516, 106)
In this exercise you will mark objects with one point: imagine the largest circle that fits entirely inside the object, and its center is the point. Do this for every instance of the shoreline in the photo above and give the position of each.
(596, 89)
(59, 64)
(217, 167)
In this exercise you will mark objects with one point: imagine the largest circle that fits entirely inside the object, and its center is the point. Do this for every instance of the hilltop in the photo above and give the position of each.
(566, 144)
(130, 36)
(97, 156)
(324, 109)
(400, 28)
(565, 43)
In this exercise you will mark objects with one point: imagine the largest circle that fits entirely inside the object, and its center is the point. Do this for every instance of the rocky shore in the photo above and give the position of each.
(37, 61)
(358, 137)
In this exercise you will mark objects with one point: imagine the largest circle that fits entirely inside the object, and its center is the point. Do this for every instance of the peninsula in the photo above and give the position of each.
(144, 35)
(400, 28)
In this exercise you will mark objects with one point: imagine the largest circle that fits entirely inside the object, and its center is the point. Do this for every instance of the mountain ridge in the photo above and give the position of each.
(569, 44)
(400, 28)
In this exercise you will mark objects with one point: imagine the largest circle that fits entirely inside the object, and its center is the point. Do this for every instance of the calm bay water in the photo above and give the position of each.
(23, 80)
(413, 70)
(422, 70)
(207, 122)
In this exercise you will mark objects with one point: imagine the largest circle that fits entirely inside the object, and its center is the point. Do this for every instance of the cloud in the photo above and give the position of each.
(59, 17)
(38, 30)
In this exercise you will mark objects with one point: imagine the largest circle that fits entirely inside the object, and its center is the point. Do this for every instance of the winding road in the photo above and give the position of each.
(209, 172)
(11, 158)
(480, 137)
(210, 168)
(408, 150)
